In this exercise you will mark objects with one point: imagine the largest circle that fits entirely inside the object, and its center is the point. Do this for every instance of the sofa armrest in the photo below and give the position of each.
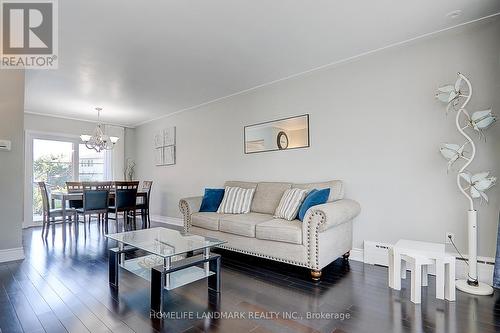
(331, 214)
(188, 206)
(330, 220)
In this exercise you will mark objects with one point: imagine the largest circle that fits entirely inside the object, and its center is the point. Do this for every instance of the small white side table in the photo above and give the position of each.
(419, 256)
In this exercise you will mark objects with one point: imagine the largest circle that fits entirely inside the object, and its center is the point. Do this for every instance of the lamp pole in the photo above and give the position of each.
(470, 285)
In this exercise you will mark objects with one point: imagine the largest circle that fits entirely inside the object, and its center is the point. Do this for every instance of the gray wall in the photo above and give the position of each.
(374, 123)
(11, 163)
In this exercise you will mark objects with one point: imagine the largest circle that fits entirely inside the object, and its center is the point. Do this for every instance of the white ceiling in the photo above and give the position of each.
(141, 60)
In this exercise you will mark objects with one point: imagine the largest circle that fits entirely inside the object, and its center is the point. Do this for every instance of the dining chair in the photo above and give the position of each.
(97, 185)
(95, 201)
(75, 187)
(143, 205)
(125, 202)
(50, 215)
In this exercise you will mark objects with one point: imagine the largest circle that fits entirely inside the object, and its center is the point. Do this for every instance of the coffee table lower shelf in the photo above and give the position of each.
(165, 278)
(177, 279)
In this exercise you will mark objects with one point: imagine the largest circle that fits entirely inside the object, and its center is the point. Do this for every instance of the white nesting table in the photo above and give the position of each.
(419, 256)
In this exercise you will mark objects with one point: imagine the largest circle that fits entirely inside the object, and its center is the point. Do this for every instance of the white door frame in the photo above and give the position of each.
(28, 163)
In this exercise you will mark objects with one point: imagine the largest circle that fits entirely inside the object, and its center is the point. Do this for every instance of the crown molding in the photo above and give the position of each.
(73, 118)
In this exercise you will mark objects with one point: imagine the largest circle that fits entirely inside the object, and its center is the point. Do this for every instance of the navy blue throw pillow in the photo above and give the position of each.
(212, 199)
(315, 197)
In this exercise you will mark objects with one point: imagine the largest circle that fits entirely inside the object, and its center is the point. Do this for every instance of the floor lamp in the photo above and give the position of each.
(457, 96)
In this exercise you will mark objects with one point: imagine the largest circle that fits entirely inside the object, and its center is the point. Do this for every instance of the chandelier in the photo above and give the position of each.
(98, 140)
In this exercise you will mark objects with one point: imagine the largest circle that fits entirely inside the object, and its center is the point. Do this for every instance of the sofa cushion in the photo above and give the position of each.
(236, 200)
(267, 197)
(336, 188)
(314, 198)
(206, 220)
(212, 199)
(280, 230)
(242, 224)
(290, 204)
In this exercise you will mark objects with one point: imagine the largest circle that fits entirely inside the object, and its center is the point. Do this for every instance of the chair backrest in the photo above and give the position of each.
(125, 185)
(146, 186)
(73, 187)
(95, 200)
(45, 197)
(126, 195)
(97, 185)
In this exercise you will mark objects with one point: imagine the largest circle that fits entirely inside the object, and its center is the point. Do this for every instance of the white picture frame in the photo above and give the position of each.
(169, 136)
(158, 156)
(158, 139)
(164, 147)
(169, 155)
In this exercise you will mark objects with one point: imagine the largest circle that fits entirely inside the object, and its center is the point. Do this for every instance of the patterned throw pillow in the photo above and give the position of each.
(236, 200)
(290, 204)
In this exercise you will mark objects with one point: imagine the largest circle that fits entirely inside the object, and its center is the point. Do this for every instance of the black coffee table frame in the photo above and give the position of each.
(160, 274)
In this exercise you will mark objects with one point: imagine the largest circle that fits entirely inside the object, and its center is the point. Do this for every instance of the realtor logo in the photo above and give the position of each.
(28, 36)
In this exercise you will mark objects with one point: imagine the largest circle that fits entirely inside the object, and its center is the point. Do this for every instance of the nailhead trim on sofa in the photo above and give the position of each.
(186, 214)
(296, 263)
(316, 236)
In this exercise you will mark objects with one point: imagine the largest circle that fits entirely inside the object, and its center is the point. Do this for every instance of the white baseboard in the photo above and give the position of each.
(11, 254)
(485, 265)
(356, 255)
(167, 220)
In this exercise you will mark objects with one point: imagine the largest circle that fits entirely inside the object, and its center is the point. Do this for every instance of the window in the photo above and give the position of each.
(92, 164)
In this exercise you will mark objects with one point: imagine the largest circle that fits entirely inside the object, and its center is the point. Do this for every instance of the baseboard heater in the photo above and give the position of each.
(376, 253)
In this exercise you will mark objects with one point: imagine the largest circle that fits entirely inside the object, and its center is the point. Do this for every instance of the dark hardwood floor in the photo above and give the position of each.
(63, 287)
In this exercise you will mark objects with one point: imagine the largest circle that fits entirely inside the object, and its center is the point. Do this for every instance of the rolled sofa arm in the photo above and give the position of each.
(187, 207)
(331, 214)
(320, 218)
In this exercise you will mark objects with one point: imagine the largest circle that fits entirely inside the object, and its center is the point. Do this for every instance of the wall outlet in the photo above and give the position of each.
(449, 237)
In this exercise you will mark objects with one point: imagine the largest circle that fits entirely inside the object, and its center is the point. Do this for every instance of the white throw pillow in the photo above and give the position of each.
(236, 200)
(290, 204)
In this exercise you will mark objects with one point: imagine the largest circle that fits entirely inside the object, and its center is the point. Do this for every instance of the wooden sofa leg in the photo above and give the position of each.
(315, 274)
(346, 255)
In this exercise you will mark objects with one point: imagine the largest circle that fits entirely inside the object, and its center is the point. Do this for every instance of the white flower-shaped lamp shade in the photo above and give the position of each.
(481, 120)
(450, 94)
(452, 152)
(479, 183)
(447, 93)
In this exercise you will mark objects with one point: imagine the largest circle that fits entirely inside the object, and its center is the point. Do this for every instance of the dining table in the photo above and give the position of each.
(65, 197)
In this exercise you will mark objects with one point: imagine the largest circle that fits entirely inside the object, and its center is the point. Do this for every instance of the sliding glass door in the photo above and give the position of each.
(54, 164)
(55, 160)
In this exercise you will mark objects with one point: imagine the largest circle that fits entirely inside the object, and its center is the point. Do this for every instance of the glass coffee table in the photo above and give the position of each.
(172, 259)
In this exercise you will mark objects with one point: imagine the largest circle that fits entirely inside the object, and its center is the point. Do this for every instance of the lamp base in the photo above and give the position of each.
(482, 289)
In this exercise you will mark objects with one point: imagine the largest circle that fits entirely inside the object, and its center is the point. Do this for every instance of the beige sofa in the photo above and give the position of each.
(323, 236)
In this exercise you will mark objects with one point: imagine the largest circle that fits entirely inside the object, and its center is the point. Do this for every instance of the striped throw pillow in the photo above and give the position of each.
(290, 204)
(236, 200)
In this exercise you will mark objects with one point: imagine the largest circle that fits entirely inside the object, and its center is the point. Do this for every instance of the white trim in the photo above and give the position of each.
(16, 253)
(31, 224)
(29, 137)
(485, 266)
(335, 63)
(73, 118)
(356, 255)
(167, 220)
